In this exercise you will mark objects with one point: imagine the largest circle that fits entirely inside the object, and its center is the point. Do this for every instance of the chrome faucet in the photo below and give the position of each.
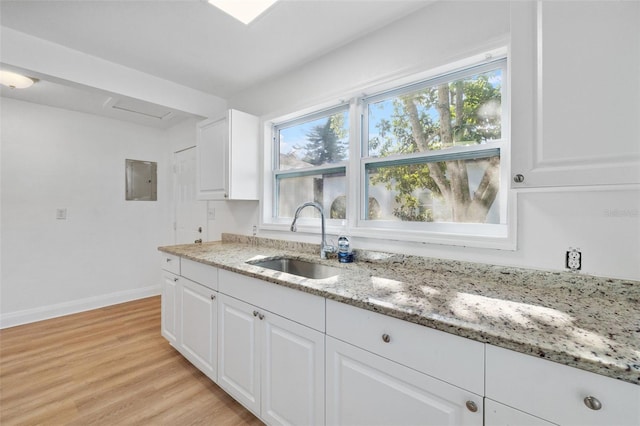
(324, 247)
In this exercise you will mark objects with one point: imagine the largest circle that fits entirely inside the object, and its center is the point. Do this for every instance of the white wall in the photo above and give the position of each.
(603, 222)
(105, 251)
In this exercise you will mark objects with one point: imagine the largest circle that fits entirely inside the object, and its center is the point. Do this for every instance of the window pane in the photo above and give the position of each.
(328, 189)
(323, 140)
(446, 191)
(440, 116)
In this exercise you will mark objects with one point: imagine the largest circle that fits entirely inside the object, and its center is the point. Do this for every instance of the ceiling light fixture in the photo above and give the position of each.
(15, 81)
(244, 11)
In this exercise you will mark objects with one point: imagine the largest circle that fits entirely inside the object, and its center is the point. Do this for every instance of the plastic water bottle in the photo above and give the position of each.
(344, 247)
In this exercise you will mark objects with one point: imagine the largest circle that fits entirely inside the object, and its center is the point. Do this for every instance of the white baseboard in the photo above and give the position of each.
(26, 316)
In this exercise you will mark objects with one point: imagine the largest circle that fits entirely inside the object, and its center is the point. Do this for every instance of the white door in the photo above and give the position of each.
(198, 322)
(190, 213)
(292, 372)
(366, 389)
(239, 351)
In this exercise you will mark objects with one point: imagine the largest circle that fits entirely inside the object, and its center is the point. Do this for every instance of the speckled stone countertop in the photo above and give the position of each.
(582, 321)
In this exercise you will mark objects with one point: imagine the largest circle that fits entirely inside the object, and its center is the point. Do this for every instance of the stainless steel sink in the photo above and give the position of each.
(297, 267)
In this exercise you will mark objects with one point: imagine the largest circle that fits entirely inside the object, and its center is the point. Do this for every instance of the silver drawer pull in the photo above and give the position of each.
(213, 297)
(593, 403)
(386, 338)
(175, 280)
(255, 313)
(168, 260)
(472, 406)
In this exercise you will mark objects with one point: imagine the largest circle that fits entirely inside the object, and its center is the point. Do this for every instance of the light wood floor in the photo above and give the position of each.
(108, 366)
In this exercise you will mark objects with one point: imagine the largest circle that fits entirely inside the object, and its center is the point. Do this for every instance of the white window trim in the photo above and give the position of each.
(493, 236)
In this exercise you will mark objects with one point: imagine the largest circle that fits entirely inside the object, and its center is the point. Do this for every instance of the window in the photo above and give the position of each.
(429, 164)
(431, 151)
(310, 163)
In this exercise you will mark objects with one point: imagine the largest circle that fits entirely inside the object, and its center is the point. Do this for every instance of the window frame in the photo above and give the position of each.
(305, 171)
(495, 236)
(407, 229)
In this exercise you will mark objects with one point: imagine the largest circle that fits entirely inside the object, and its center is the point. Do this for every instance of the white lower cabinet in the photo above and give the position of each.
(198, 326)
(189, 312)
(273, 366)
(170, 271)
(496, 414)
(386, 371)
(557, 393)
(169, 306)
(366, 389)
(265, 344)
(238, 356)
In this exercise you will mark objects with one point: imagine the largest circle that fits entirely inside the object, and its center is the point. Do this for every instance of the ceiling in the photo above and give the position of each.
(196, 45)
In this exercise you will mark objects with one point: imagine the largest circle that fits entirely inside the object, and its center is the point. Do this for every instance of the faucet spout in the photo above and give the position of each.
(324, 247)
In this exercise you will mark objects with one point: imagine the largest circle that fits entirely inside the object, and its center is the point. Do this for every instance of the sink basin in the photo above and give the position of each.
(297, 267)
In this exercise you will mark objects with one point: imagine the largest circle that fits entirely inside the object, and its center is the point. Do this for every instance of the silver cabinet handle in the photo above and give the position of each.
(386, 338)
(255, 313)
(471, 406)
(593, 403)
(518, 178)
(213, 297)
(261, 316)
(175, 280)
(168, 260)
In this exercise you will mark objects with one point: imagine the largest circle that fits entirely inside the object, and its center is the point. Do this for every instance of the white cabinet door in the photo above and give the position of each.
(559, 393)
(227, 163)
(292, 372)
(575, 95)
(212, 159)
(238, 354)
(198, 326)
(169, 306)
(496, 414)
(365, 389)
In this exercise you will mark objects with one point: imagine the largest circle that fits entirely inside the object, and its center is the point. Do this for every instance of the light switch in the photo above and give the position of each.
(61, 213)
(211, 213)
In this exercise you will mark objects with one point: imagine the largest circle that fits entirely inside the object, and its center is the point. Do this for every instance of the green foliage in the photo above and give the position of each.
(327, 143)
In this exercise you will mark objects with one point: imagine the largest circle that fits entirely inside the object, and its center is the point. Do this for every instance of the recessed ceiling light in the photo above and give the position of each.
(244, 11)
(15, 81)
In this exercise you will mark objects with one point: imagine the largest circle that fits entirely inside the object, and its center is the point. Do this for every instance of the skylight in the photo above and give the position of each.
(244, 11)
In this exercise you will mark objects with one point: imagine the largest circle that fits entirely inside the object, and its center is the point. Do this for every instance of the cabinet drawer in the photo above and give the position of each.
(556, 392)
(450, 358)
(170, 263)
(366, 389)
(304, 308)
(496, 414)
(206, 275)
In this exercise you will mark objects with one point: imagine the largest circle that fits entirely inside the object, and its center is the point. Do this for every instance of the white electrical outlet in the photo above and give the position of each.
(61, 214)
(573, 259)
(211, 213)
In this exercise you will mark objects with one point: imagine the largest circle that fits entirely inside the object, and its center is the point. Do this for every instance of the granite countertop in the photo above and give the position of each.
(586, 322)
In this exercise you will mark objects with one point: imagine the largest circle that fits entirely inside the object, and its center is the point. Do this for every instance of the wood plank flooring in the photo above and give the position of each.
(108, 366)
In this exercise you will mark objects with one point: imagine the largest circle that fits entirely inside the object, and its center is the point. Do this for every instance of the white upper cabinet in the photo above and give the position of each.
(227, 163)
(575, 93)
